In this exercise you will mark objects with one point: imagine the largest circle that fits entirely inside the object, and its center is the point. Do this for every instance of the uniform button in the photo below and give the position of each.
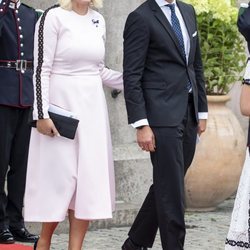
(16, 11)
(22, 71)
(22, 54)
(20, 28)
(21, 36)
(1, 10)
(4, 3)
(21, 44)
(18, 19)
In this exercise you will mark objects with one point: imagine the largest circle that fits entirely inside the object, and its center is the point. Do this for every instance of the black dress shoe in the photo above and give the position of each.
(130, 245)
(23, 235)
(6, 237)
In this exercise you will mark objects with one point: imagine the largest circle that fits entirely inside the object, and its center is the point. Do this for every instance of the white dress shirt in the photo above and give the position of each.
(167, 12)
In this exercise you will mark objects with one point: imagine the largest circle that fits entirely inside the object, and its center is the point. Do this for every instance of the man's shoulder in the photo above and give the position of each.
(141, 7)
(27, 7)
(141, 11)
(185, 5)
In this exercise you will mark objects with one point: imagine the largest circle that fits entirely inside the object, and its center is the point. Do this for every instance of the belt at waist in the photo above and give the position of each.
(18, 65)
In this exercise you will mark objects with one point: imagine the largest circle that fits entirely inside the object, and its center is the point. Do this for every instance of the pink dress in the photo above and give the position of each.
(63, 173)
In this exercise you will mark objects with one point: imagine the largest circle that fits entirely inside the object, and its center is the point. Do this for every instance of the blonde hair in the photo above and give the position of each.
(66, 4)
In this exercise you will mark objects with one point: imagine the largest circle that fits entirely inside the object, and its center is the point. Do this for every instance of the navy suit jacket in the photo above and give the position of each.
(155, 72)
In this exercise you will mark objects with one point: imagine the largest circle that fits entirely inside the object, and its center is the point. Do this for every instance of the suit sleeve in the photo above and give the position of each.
(136, 41)
(4, 6)
(44, 51)
(200, 79)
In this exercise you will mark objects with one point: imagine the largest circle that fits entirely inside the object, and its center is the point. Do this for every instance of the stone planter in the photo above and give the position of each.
(215, 172)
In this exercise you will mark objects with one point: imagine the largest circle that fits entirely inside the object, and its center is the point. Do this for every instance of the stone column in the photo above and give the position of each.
(132, 166)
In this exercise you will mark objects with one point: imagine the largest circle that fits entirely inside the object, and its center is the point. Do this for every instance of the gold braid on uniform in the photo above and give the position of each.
(40, 63)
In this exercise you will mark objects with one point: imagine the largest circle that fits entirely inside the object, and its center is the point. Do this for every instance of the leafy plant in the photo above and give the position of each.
(223, 50)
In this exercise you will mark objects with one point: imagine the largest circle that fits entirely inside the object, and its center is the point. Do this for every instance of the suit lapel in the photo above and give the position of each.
(165, 23)
(188, 23)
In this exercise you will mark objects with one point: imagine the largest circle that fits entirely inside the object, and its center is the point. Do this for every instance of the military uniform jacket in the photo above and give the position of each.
(17, 27)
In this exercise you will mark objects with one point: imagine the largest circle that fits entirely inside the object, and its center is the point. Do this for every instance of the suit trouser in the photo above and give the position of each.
(14, 146)
(164, 207)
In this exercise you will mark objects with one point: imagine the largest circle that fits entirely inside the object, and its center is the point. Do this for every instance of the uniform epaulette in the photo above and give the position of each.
(28, 6)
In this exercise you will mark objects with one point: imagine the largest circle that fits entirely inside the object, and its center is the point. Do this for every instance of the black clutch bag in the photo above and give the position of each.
(65, 125)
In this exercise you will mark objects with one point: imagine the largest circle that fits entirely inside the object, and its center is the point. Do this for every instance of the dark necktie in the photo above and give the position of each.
(177, 30)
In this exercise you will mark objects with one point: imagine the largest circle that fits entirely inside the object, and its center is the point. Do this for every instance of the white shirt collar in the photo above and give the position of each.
(162, 3)
(15, 5)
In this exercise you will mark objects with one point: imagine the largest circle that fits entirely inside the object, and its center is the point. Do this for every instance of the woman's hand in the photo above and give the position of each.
(47, 127)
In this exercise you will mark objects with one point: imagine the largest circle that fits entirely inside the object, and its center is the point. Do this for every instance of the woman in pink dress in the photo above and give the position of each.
(70, 176)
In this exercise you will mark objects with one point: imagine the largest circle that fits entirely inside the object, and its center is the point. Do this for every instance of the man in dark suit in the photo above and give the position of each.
(166, 102)
(17, 26)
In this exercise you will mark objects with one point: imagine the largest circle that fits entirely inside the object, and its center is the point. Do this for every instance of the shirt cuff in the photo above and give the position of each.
(203, 115)
(142, 122)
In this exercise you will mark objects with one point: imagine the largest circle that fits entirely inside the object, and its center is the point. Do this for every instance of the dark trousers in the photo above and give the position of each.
(164, 207)
(14, 146)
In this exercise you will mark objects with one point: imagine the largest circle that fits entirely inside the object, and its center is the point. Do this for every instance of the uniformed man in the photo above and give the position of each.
(17, 26)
